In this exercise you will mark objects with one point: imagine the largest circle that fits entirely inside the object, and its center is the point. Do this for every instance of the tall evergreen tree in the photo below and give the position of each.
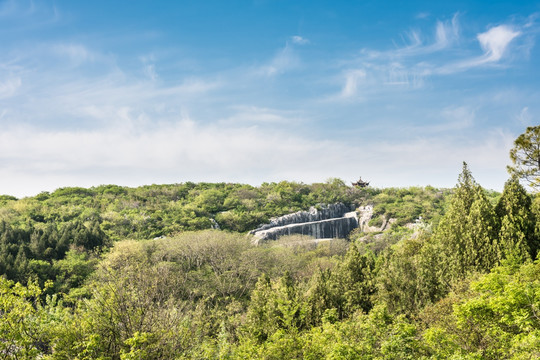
(481, 246)
(453, 230)
(274, 305)
(321, 295)
(468, 231)
(357, 281)
(535, 209)
(517, 232)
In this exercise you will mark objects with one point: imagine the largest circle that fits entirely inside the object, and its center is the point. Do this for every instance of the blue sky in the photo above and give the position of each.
(139, 92)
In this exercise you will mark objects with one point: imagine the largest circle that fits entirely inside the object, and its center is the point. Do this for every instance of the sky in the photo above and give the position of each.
(140, 92)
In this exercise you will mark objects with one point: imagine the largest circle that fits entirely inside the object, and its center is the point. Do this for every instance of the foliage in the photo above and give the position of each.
(406, 205)
(135, 273)
(525, 156)
(517, 234)
(467, 232)
(411, 275)
(29, 252)
(495, 318)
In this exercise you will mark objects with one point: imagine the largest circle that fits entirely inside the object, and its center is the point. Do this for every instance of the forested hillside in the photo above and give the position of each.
(140, 273)
(38, 233)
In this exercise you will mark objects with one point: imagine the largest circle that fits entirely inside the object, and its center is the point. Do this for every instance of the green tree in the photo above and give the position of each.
(27, 323)
(481, 251)
(132, 312)
(454, 232)
(525, 156)
(257, 325)
(517, 234)
(274, 307)
(321, 295)
(411, 275)
(495, 318)
(356, 279)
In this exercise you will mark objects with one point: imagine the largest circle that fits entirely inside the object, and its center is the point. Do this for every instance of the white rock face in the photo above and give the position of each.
(365, 214)
(332, 221)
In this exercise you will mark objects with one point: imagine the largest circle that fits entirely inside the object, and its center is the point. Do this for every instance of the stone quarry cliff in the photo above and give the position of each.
(330, 221)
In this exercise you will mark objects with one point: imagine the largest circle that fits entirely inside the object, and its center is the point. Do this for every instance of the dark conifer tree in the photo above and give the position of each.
(321, 296)
(468, 231)
(257, 323)
(453, 230)
(517, 231)
(482, 250)
(357, 281)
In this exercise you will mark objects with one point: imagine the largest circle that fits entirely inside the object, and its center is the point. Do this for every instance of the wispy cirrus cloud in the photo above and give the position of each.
(9, 87)
(79, 111)
(494, 42)
(149, 67)
(284, 60)
(76, 54)
(68, 85)
(454, 118)
(445, 52)
(524, 117)
(297, 39)
(250, 115)
(38, 13)
(403, 66)
(352, 82)
(444, 35)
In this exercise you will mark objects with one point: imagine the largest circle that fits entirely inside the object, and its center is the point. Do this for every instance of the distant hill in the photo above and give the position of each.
(46, 226)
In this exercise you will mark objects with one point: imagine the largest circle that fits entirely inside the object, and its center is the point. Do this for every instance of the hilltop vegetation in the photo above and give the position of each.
(121, 273)
(39, 234)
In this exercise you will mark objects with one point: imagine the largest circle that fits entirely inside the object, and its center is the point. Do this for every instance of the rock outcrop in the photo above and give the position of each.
(332, 221)
(365, 214)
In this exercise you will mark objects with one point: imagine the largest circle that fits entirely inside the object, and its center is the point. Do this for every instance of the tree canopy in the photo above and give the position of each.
(525, 156)
(119, 273)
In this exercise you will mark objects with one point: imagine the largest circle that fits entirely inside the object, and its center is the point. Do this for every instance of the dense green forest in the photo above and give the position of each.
(144, 273)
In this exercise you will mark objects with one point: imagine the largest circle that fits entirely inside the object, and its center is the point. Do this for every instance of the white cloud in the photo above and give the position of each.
(458, 118)
(445, 34)
(9, 87)
(296, 39)
(407, 66)
(97, 101)
(149, 67)
(397, 74)
(150, 71)
(183, 150)
(352, 80)
(34, 159)
(448, 122)
(29, 11)
(75, 53)
(524, 117)
(286, 59)
(118, 126)
(495, 41)
(257, 116)
(410, 65)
